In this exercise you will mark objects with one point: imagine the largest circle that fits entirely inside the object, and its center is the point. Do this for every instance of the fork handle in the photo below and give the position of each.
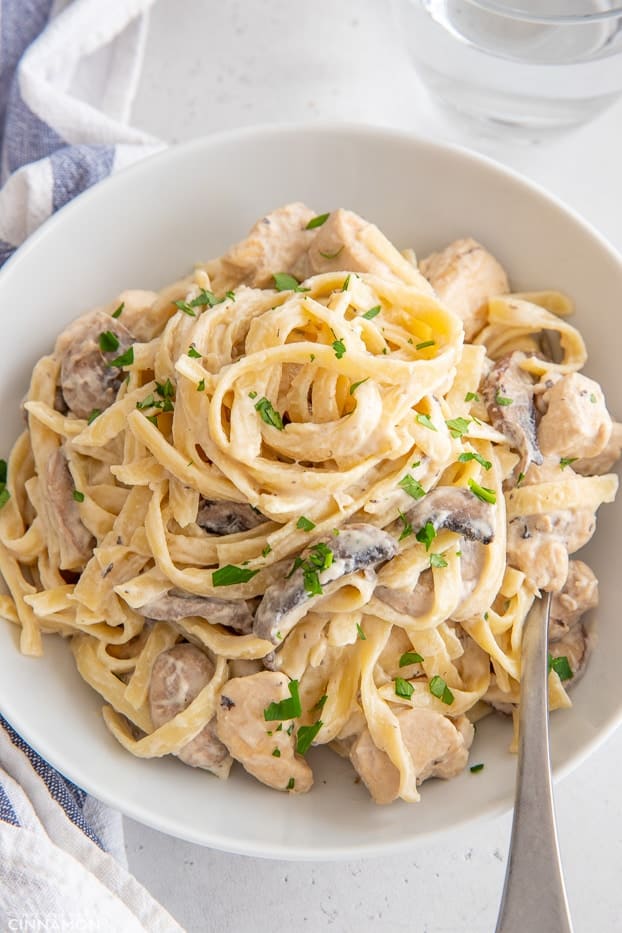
(534, 895)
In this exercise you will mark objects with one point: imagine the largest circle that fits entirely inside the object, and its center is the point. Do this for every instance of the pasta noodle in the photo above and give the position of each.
(285, 502)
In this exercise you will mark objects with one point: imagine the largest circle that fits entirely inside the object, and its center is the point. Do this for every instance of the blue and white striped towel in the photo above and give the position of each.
(68, 73)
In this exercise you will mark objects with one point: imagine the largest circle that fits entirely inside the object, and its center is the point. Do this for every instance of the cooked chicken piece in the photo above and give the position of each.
(87, 379)
(265, 751)
(178, 676)
(579, 593)
(274, 244)
(438, 747)
(456, 509)
(508, 394)
(177, 605)
(76, 542)
(608, 457)
(285, 602)
(576, 423)
(464, 276)
(415, 603)
(227, 518)
(342, 243)
(138, 315)
(576, 646)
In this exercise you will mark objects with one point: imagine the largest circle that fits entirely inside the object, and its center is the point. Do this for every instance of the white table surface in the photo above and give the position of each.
(213, 66)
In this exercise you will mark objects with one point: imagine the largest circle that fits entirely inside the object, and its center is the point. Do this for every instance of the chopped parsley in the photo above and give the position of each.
(94, 414)
(317, 221)
(346, 283)
(320, 703)
(289, 708)
(475, 768)
(119, 311)
(186, 308)
(339, 347)
(284, 282)
(439, 689)
(521, 477)
(201, 386)
(205, 299)
(502, 400)
(311, 357)
(193, 352)
(464, 458)
(437, 560)
(331, 255)
(108, 342)
(410, 485)
(372, 312)
(458, 426)
(291, 784)
(319, 558)
(305, 524)
(126, 359)
(78, 496)
(410, 657)
(471, 397)
(355, 385)
(266, 550)
(592, 398)
(305, 736)
(268, 413)
(252, 394)
(561, 667)
(482, 492)
(425, 421)
(407, 529)
(361, 633)
(566, 461)
(276, 752)
(403, 688)
(425, 344)
(230, 295)
(5, 495)
(230, 574)
(165, 389)
(426, 535)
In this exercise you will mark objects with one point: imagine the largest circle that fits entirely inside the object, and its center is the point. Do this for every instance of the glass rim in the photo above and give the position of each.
(516, 12)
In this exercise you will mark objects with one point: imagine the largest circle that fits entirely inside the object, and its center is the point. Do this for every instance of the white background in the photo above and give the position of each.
(211, 66)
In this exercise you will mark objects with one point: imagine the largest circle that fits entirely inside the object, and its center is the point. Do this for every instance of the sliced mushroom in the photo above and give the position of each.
(75, 540)
(357, 547)
(439, 747)
(456, 509)
(227, 518)
(465, 275)
(576, 422)
(579, 594)
(415, 602)
(265, 750)
(87, 379)
(508, 394)
(539, 544)
(178, 676)
(177, 605)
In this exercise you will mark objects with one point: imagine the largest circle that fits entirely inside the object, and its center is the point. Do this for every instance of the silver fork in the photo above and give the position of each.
(534, 896)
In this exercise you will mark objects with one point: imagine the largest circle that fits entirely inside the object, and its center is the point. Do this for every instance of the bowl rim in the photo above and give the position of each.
(153, 162)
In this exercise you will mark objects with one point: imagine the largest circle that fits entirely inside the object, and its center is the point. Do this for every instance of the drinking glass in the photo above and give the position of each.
(538, 66)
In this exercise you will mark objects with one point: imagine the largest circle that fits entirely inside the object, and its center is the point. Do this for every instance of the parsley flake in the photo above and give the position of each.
(126, 359)
(361, 633)
(230, 574)
(426, 535)
(482, 492)
(561, 667)
(355, 385)
(320, 703)
(471, 397)
(305, 524)
(412, 486)
(289, 708)
(521, 477)
(317, 221)
(276, 752)
(119, 311)
(439, 689)
(464, 458)
(252, 394)
(408, 528)
(346, 283)
(186, 308)
(332, 255)
(201, 386)
(193, 352)
(369, 315)
(108, 342)
(291, 784)
(475, 768)
(268, 413)
(425, 421)
(403, 688)
(437, 560)
(425, 344)
(96, 412)
(284, 282)
(205, 299)
(502, 400)
(566, 461)
(592, 398)
(339, 347)
(458, 426)
(266, 550)
(305, 736)
(5, 495)
(410, 657)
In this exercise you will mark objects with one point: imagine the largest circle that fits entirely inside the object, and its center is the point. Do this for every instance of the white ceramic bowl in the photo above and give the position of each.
(145, 227)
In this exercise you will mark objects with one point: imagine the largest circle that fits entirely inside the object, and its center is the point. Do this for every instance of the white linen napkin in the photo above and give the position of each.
(68, 73)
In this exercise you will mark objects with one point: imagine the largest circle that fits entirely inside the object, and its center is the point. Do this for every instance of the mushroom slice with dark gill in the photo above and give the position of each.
(87, 379)
(356, 547)
(177, 605)
(455, 509)
(227, 518)
(177, 678)
(75, 540)
(508, 394)
(265, 750)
